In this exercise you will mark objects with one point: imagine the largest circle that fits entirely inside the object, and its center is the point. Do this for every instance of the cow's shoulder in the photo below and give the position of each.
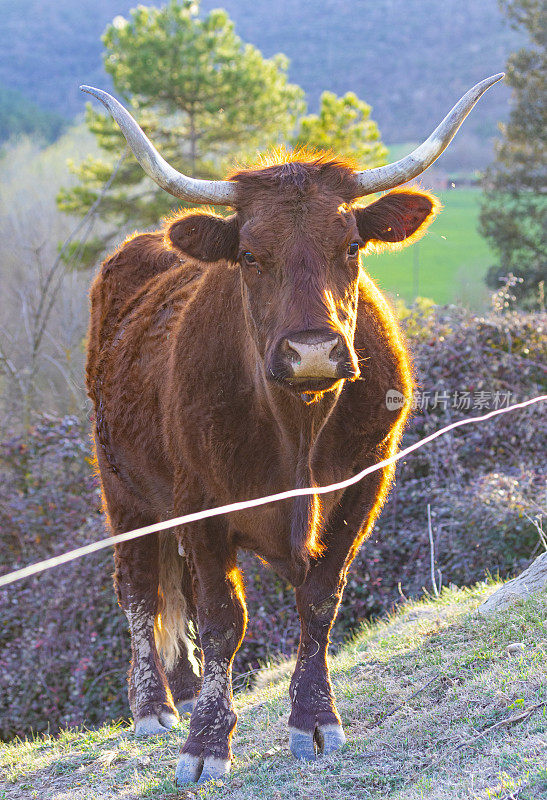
(143, 272)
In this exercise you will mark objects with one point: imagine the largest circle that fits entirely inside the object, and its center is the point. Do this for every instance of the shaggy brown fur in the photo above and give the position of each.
(195, 408)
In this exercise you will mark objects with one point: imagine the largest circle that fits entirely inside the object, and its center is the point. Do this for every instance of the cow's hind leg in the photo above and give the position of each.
(178, 628)
(136, 579)
(184, 677)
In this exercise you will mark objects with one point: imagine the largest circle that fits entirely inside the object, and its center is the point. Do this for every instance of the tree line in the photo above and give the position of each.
(514, 208)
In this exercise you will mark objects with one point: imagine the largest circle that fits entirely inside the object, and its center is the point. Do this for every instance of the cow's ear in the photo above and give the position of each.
(396, 219)
(205, 236)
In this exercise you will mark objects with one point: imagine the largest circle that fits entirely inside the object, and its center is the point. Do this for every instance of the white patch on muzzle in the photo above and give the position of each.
(314, 360)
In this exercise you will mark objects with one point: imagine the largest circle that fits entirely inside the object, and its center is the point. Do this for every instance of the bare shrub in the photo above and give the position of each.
(43, 311)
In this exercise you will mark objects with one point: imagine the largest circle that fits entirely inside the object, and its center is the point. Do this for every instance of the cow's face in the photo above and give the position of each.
(298, 249)
(300, 267)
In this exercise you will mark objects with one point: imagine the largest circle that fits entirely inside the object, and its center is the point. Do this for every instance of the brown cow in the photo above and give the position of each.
(231, 358)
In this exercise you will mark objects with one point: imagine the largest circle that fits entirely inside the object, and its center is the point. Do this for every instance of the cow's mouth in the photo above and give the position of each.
(312, 385)
(310, 390)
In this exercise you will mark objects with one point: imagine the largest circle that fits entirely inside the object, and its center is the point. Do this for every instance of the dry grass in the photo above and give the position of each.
(433, 705)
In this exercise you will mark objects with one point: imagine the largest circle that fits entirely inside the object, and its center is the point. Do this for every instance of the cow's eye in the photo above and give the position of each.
(353, 249)
(250, 261)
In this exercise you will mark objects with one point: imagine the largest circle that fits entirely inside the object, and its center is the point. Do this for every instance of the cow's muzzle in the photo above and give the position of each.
(312, 360)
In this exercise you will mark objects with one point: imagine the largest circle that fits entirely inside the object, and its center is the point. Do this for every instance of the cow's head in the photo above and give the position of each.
(296, 234)
(297, 237)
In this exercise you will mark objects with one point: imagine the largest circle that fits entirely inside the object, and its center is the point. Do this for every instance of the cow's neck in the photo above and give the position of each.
(299, 423)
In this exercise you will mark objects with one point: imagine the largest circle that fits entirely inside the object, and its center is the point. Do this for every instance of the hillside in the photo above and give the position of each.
(410, 59)
(432, 702)
(20, 116)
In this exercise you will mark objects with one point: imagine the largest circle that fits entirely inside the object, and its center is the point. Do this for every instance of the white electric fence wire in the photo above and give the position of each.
(64, 558)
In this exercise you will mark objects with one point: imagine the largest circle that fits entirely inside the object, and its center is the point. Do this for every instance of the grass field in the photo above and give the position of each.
(433, 705)
(448, 264)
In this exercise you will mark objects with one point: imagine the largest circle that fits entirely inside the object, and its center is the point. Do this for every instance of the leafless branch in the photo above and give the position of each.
(538, 525)
(432, 552)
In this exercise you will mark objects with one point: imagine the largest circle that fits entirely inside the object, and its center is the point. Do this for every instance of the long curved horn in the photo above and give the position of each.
(192, 189)
(392, 175)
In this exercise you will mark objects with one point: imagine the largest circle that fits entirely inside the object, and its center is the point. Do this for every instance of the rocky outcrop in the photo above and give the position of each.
(531, 581)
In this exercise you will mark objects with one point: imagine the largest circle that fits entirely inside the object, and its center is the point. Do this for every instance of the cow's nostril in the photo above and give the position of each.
(289, 352)
(338, 351)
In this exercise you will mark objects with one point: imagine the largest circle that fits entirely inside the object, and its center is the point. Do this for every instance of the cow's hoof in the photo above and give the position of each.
(188, 769)
(215, 769)
(155, 724)
(326, 739)
(302, 745)
(329, 738)
(195, 769)
(185, 707)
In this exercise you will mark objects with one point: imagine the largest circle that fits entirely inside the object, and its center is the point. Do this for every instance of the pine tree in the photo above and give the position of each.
(208, 102)
(514, 208)
(344, 127)
(202, 96)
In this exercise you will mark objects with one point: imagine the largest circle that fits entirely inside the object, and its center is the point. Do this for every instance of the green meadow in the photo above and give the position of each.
(448, 265)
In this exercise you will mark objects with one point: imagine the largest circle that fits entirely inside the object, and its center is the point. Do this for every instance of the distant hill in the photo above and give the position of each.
(409, 58)
(19, 115)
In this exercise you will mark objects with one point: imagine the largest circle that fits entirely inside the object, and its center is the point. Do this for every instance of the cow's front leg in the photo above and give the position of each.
(314, 722)
(221, 621)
